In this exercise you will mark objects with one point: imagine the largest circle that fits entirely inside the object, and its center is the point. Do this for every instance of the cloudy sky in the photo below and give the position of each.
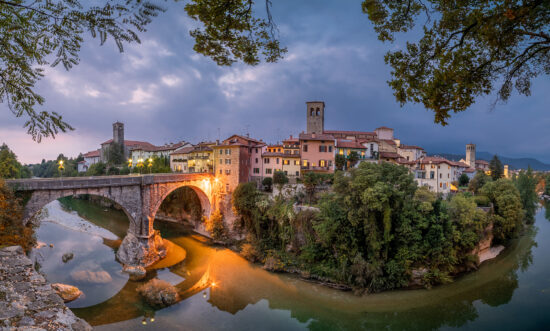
(164, 92)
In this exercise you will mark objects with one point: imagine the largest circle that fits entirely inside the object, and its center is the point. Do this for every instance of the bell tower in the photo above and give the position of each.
(118, 133)
(471, 155)
(315, 114)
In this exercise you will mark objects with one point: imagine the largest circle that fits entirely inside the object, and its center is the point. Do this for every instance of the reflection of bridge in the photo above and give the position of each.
(139, 196)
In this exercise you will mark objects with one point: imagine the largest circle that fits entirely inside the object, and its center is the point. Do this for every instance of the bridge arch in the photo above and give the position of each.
(40, 199)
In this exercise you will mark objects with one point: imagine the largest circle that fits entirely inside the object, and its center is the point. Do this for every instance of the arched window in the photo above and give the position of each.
(312, 112)
(318, 111)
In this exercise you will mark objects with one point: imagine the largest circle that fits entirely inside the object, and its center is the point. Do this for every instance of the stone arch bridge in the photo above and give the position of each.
(139, 196)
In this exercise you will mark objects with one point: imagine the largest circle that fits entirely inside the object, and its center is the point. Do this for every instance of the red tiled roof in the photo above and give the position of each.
(314, 136)
(389, 141)
(185, 150)
(349, 132)
(268, 154)
(434, 160)
(410, 147)
(482, 162)
(403, 160)
(469, 170)
(461, 164)
(389, 155)
(92, 154)
(247, 138)
(131, 143)
(349, 144)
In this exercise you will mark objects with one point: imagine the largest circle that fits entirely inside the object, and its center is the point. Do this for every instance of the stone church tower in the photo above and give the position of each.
(118, 133)
(315, 114)
(471, 155)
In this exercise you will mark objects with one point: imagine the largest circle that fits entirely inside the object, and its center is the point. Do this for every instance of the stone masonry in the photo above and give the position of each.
(27, 301)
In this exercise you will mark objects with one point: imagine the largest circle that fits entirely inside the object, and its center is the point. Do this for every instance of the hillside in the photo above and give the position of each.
(514, 163)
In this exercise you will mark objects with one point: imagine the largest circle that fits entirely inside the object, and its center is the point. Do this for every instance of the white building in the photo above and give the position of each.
(410, 152)
(436, 173)
(89, 159)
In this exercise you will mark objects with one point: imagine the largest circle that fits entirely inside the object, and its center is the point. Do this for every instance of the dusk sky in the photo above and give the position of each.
(164, 92)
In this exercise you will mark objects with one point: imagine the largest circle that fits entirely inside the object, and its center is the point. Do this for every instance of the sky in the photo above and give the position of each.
(165, 92)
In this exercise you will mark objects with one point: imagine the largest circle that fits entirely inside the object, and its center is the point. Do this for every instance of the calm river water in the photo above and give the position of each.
(222, 291)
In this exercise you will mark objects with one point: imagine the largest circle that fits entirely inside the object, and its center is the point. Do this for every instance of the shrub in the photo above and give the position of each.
(216, 227)
(267, 183)
(249, 252)
(12, 230)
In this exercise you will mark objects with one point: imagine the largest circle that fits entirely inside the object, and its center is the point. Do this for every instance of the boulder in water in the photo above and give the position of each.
(158, 293)
(135, 272)
(67, 292)
(67, 257)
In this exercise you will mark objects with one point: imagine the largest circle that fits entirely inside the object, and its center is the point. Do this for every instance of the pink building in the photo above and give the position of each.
(317, 152)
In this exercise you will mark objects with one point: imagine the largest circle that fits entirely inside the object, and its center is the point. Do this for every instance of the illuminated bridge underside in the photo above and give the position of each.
(139, 196)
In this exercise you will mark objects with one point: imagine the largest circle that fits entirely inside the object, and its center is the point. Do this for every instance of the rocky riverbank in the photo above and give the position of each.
(27, 300)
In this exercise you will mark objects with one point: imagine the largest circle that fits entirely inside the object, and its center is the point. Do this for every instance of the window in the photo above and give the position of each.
(286, 162)
(268, 171)
(440, 176)
(440, 184)
(256, 150)
(227, 187)
(277, 161)
(296, 162)
(304, 163)
(296, 152)
(228, 171)
(322, 163)
(221, 161)
(297, 173)
(220, 171)
(363, 154)
(329, 163)
(266, 160)
(311, 111)
(448, 176)
(322, 149)
(318, 112)
(221, 151)
(286, 173)
(227, 152)
(341, 152)
(330, 149)
(432, 174)
(305, 148)
(256, 160)
(256, 170)
(227, 161)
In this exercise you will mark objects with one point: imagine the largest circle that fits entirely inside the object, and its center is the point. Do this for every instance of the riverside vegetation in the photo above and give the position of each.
(375, 229)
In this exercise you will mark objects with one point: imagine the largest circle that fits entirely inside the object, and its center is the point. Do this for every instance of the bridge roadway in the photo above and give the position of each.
(140, 196)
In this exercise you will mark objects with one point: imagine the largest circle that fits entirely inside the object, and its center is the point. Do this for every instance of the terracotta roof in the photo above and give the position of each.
(403, 160)
(185, 150)
(470, 170)
(410, 147)
(92, 154)
(350, 132)
(389, 155)
(482, 162)
(349, 144)
(132, 143)
(314, 136)
(435, 160)
(389, 141)
(247, 138)
(384, 128)
(461, 164)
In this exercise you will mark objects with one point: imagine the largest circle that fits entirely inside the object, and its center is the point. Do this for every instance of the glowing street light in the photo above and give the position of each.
(150, 165)
(61, 167)
(130, 165)
(140, 164)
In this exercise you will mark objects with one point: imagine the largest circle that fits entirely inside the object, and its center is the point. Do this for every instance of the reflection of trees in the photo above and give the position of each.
(547, 210)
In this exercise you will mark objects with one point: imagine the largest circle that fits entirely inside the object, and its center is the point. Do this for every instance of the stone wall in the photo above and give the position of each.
(27, 300)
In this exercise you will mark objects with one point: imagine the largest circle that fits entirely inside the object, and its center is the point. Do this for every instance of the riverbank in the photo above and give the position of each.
(27, 300)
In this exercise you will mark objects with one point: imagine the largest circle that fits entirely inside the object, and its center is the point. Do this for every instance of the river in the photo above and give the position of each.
(222, 291)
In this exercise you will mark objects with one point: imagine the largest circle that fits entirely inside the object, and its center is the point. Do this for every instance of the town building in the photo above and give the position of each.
(89, 159)
(436, 173)
(232, 160)
(145, 151)
(193, 159)
(411, 152)
(317, 152)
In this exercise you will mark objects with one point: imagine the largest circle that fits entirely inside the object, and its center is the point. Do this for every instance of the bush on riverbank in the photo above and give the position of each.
(376, 227)
(12, 230)
(158, 293)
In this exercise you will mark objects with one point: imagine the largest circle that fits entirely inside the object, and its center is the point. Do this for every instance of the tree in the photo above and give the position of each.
(12, 231)
(479, 180)
(97, 169)
(353, 158)
(115, 154)
(39, 33)
(526, 183)
(280, 179)
(9, 167)
(267, 183)
(547, 185)
(311, 180)
(508, 213)
(497, 170)
(340, 162)
(463, 180)
(466, 48)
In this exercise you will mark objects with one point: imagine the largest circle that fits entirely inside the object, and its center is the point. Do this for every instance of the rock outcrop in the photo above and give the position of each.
(27, 301)
(135, 272)
(158, 293)
(67, 292)
(134, 251)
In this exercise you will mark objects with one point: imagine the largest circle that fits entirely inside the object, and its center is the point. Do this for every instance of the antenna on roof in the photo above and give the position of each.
(219, 134)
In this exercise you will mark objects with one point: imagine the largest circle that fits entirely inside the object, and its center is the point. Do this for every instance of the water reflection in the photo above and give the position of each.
(220, 290)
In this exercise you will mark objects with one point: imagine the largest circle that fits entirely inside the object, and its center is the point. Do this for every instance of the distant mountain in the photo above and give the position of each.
(514, 163)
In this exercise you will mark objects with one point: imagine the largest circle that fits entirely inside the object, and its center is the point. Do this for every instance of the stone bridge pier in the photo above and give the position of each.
(139, 197)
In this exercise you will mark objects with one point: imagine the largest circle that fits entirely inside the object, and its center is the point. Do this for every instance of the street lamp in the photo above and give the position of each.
(130, 165)
(150, 165)
(140, 164)
(61, 167)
